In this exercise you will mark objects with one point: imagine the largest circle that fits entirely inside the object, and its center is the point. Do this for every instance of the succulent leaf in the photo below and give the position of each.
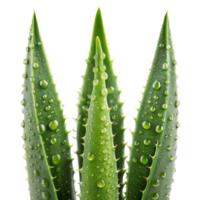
(99, 172)
(49, 163)
(152, 157)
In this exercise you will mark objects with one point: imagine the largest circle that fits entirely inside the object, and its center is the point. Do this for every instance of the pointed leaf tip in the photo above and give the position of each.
(34, 10)
(98, 45)
(167, 11)
(99, 7)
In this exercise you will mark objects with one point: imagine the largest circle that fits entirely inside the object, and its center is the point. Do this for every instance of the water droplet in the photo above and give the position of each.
(51, 101)
(155, 196)
(166, 93)
(113, 117)
(101, 183)
(156, 85)
(90, 156)
(35, 172)
(24, 137)
(146, 125)
(102, 55)
(165, 66)
(103, 130)
(27, 49)
(155, 183)
(106, 124)
(102, 68)
(41, 129)
(23, 102)
(104, 75)
(147, 142)
(44, 182)
(35, 65)
(163, 175)
(115, 124)
(134, 160)
(40, 157)
(24, 75)
(169, 148)
(31, 45)
(159, 129)
(24, 146)
(103, 118)
(144, 160)
(56, 158)
(44, 96)
(24, 62)
(64, 142)
(155, 97)
(58, 169)
(177, 125)
(95, 69)
(31, 147)
(104, 92)
(136, 143)
(48, 116)
(95, 82)
(166, 82)
(153, 109)
(161, 45)
(171, 158)
(93, 96)
(171, 118)
(53, 140)
(45, 195)
(32, 79)
(163, 120)
(103, 107)
(115, 108)
(111, 90)
(23, 124)
(175, 62)
(176, 137)
(149, 102)
(47, 108)
(39, 43)
(177, 103)
(44, 84)
(53, 125)
(111, 101)
(164, 106)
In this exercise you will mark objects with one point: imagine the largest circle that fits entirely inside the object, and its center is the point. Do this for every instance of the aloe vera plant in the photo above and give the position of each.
(100, 123)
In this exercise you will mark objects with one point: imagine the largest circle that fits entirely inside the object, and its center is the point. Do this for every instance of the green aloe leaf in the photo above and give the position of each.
(99, 172)
(49, 162)
(153, 150)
